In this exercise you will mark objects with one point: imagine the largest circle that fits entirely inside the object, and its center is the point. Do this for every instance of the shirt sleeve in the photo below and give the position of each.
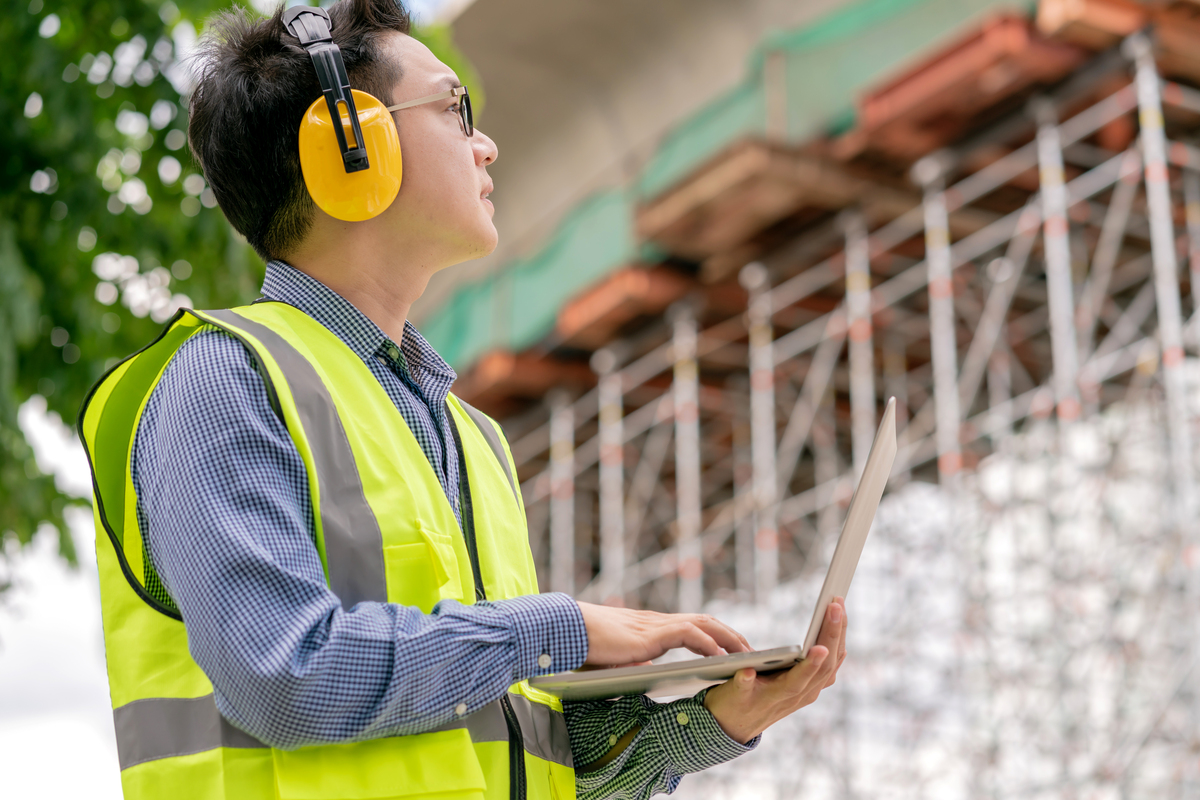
(675, 739)
(225, 507)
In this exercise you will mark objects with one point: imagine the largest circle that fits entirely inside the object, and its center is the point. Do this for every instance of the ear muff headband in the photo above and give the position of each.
(349, 178)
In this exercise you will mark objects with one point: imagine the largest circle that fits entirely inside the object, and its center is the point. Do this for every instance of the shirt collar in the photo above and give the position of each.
(285, 283)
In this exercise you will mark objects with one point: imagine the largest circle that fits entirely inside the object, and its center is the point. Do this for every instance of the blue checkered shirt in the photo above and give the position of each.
(225, 507)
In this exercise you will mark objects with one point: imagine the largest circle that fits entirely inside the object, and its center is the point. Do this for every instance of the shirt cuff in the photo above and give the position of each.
(550, 634)
(692, 738)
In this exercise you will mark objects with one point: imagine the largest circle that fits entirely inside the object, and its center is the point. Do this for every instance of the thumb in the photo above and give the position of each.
(744, 680)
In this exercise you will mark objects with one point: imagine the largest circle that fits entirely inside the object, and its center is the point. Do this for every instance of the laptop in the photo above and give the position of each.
(681, 678)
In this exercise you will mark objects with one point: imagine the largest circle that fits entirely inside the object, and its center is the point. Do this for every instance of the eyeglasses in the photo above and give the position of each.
(464, 106)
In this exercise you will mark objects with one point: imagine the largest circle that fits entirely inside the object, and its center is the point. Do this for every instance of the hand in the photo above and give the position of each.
(748, 704)
(624, 636)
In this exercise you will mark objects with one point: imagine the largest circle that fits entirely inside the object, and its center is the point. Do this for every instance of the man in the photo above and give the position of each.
(316, 581)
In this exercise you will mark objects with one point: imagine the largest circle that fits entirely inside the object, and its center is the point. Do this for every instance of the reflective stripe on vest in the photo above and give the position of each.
(164, 727)
(353, 544)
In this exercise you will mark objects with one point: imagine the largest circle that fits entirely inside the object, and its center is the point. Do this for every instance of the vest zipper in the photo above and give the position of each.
(517, 789)
(516, 752)
(466, 509)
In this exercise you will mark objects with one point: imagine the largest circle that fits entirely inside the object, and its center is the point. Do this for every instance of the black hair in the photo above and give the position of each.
(254, 84)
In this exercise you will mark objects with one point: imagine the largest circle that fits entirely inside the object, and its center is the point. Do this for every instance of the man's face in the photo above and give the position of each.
(442, 206)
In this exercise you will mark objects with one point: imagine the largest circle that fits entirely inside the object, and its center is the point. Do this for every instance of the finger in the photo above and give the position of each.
(831, 627)
(796, 681)
(727, 637)
(694, 638)
(841, 660)
(838, 666)
(745, 642)
(822, 675)
(835, 643)
(743, 681)
(829, 640)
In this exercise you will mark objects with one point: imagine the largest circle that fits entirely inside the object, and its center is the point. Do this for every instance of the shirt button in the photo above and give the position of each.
(612, 740)
(393, 352)
(461, 709)
(544, 661)
(682, 718)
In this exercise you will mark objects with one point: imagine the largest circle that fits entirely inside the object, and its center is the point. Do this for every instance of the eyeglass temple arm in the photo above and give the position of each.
(457, 90)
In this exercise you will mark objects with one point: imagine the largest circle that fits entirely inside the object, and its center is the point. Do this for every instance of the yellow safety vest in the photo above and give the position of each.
(385, 532)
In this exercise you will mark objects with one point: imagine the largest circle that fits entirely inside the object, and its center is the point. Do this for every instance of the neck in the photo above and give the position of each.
(380, 284)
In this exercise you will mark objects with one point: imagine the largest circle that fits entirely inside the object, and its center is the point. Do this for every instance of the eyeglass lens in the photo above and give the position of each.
(464, 113)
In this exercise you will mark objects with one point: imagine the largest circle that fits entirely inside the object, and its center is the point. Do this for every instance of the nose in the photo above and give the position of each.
(484, 148)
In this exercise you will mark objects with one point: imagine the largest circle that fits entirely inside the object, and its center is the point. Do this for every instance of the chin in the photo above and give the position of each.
(487, 240)
(477, 246)
(490, 247)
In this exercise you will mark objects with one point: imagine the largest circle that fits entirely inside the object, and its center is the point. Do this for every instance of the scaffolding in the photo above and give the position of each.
(1022, 294)
(993, 306)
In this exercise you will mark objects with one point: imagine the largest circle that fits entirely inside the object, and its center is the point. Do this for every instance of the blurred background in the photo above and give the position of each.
(729, 233)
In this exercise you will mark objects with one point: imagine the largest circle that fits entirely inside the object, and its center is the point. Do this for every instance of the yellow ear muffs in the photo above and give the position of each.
(353, 196)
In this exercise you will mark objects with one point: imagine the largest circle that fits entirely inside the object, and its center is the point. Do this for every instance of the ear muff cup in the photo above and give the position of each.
(351, 196)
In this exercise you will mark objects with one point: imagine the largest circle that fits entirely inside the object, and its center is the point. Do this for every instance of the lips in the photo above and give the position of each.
(486, 191)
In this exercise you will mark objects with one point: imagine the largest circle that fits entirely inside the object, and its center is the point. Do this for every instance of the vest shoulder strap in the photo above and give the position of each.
(493, 438)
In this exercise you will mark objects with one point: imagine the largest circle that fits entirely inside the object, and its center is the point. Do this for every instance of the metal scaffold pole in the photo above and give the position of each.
(686, 391)
(1170, 325)
(562, 494)
(762, 431)
(862, 356)
(612, 477)
(942, 333)
(1108, 250)
(999, 384)
(1166, 270)
(743, 487)
(1064, 350)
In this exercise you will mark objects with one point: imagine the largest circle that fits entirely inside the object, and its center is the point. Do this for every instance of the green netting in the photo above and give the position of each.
(462, 329)
(153, 583)
(738, 113)
(827, 65)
